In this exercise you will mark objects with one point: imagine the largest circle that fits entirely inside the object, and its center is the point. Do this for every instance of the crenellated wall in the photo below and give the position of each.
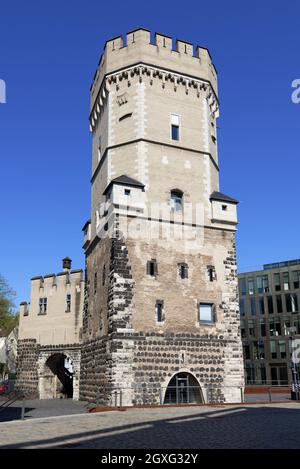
(57, 325)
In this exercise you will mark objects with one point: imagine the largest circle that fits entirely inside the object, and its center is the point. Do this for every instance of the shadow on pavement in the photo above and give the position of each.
(236, 427)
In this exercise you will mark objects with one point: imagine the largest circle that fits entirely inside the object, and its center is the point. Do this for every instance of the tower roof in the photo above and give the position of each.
(222, 197)
(124, 180)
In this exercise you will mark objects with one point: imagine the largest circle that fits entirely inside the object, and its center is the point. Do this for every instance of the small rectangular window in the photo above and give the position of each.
(224, 208)
(159, 311)
(152, 268)
(175, 132)
(286, 281)
(206, 312)
(127, 192)
(175, 122)
(276, 281)
(183, 271)
(42, 305)
(68, 300)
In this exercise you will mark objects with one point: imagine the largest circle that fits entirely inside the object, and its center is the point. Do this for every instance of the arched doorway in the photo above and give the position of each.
(57, 377)
(183, 388)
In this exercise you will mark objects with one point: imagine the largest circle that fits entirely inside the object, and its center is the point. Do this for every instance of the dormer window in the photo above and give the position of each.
(176, 200)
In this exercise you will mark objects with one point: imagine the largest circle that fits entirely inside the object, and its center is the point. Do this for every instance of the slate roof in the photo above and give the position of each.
(124, 180)
(222, 197)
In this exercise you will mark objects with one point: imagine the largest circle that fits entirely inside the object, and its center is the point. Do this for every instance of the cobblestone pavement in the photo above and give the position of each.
(249, 426)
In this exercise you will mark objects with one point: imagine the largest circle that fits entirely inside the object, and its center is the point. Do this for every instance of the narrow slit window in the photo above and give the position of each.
(159, 311)
(68, 305)
(152, 268)
(175, 127)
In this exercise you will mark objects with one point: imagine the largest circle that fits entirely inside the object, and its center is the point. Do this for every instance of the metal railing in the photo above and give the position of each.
(11, 398)
(155, 394)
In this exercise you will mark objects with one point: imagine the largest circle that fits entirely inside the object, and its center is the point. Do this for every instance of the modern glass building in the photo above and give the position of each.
(270, 322)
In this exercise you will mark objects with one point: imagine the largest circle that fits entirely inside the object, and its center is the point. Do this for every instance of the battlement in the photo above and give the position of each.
(53, 286)
(137, 48)
(54, 312)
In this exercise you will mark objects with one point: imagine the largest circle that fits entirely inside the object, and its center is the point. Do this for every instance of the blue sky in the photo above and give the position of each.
(48, 55)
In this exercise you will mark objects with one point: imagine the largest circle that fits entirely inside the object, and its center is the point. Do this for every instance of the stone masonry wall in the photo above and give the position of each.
(27, 375)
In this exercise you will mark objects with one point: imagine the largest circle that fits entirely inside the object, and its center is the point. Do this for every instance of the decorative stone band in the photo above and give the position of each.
(147, 72)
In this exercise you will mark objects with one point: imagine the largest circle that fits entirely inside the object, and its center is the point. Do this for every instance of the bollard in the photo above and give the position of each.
(23, 409)
(270, 395)
(120, 397)
(242, 395)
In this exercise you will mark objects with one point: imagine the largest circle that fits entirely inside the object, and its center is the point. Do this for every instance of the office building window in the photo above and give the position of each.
(242, 307)
(270, 305)
(296, 278)
(252, 306)
(276, 280)
(262, 328)
(246, 352)
(261, 304)
(251, 327)
(275, 327)
(251, 286)
(291, 301)
(262, 283)
(273, 349)
(243, 329)
(206, 312)
(282, 349)
(279, 303)
(242, 283)
(286, 281)
(260, 350)
(286, 326)
(42, 305)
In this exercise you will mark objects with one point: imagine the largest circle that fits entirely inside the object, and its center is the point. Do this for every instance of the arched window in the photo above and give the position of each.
(176, 200)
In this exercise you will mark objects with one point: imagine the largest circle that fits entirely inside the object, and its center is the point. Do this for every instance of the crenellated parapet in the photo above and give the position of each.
(55, 308)
(183, 66)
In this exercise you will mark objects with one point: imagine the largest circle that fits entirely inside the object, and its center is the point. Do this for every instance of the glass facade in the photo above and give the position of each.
(270, 316)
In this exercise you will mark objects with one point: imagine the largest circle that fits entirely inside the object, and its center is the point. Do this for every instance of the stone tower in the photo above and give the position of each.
(161, 319)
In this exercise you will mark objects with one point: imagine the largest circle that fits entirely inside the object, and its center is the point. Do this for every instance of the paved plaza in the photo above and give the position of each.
(241, 426)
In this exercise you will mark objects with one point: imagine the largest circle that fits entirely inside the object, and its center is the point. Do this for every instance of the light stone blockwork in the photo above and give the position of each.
(128, 355)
